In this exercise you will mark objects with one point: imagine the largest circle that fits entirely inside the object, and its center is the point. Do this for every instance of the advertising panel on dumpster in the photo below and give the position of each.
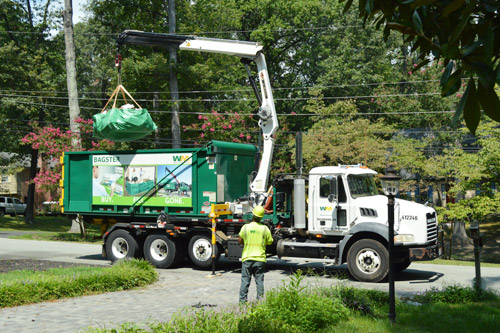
(122, 179)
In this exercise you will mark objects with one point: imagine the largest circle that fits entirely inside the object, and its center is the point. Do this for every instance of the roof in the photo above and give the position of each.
(345, 169)
(13, 159)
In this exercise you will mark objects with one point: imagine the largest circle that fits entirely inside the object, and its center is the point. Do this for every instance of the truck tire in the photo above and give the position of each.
(121, 245)
(401, 266)
(200, 251)
(181, 252)
(2, 212)
(161, 251)
(368, 260)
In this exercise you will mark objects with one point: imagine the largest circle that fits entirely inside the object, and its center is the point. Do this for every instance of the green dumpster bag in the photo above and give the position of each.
(123, 124)
(134, 189)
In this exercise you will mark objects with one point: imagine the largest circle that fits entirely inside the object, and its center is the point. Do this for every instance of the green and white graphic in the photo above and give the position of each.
(122, 179)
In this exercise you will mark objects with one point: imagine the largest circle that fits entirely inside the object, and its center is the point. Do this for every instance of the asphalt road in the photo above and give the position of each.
(184, 287)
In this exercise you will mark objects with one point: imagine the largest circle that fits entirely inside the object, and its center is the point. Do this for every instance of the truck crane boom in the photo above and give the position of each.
(247, 51)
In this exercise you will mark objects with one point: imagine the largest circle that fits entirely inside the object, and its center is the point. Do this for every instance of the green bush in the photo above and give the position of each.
(25, 287)
(362, 301)
(292, 308)
(455, 294)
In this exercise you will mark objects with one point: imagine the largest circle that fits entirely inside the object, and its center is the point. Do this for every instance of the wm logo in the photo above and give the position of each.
(180, 158)
(328, 209)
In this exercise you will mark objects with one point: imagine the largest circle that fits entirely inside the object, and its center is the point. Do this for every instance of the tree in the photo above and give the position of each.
(345, 139)
(74, 110)
(30, 63)
(464, 34)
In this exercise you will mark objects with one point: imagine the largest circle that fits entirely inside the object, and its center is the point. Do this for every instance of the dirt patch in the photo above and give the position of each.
(34, 265)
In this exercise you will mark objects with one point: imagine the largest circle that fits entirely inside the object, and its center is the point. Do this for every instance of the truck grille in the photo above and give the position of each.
(432, 229)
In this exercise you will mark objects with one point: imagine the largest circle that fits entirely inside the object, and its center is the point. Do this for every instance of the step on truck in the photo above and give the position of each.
(334, 214)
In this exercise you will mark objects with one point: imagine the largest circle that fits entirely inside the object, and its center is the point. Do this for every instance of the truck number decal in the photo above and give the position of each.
(409, 217)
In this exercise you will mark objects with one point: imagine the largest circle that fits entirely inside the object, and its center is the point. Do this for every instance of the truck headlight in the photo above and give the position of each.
(404, 238)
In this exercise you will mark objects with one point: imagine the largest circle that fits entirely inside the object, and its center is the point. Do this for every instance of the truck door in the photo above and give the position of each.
(330, 205)
(9, 207)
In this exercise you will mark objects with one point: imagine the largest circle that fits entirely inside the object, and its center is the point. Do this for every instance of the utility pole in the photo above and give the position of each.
(174, 87)
(74, 109)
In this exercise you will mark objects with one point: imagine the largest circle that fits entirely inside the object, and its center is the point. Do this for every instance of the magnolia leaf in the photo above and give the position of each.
(417, 22)
(453, 6)
(348, 5)
(420, 65)
(489, 101)
(401, 28)
(488, 45)
(485, 73)
(461, 104)
(452, 85)
(462, 23)
(472, 113)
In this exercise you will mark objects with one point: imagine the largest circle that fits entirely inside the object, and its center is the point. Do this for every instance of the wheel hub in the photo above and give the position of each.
(368, 261)
(202, 249)
(159, 249)
(120, 248)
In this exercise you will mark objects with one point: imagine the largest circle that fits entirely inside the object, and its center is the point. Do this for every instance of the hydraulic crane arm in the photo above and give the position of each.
(248, 51)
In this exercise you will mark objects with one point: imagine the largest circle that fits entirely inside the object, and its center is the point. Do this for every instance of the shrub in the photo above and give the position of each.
(358, 300)
(455, 294)
(292, 308)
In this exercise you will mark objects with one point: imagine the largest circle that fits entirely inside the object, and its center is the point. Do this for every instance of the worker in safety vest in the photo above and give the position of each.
(254, 237)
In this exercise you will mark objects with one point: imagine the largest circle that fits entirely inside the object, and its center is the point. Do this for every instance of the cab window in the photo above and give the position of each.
(324, 187)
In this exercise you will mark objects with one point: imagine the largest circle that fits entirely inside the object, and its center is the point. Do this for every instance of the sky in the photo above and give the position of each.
(78, 13)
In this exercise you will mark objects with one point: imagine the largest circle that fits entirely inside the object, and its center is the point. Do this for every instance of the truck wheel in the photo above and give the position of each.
(200, 251)
(161, 251)
(368, 261)
(401, 266)
(181, 252)
(121, 244)
(2, 212)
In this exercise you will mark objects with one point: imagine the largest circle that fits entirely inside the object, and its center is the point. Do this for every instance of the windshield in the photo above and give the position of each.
(362, 185)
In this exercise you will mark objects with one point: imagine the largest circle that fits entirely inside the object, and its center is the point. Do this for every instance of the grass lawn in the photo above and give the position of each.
(52, 228)
(27, 286)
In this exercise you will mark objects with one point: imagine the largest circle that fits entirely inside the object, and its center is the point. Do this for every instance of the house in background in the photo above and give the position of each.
(15, 184)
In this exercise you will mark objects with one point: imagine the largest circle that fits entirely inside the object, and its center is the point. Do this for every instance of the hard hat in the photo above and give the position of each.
(258, 211)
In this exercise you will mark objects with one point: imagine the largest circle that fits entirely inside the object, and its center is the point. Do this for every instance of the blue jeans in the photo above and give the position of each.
(249, 268)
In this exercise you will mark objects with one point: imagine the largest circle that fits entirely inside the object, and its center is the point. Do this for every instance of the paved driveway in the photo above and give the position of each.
(185, 287)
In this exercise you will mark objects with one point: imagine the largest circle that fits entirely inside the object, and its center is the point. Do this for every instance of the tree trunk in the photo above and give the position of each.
(29, 215)
(174, 88)
(74, 109)
(460, 237)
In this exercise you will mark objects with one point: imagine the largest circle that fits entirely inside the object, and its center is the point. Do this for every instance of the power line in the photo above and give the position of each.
(276, 99)
(248, 114)
(332, 28)
(235, 90)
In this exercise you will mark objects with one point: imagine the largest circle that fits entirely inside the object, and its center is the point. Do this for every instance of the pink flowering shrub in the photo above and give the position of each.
(227, 126)
(51, 142)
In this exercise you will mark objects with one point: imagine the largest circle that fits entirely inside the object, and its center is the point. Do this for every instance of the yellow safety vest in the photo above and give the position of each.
(255, 238)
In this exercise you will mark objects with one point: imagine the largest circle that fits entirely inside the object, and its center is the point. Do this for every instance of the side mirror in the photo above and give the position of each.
(332, 197)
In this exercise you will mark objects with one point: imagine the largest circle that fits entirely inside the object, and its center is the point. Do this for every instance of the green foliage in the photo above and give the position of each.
(456, 294)
(460, 32)
(362, 301)
(477, 208)
(454, 308)
(24, 287)
(335, 139)
(294, 309)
